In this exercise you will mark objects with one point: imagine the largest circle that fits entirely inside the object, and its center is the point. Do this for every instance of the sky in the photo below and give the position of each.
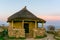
(48, 10)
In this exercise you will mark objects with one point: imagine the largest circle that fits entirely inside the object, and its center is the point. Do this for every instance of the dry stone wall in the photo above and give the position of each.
(16, 32)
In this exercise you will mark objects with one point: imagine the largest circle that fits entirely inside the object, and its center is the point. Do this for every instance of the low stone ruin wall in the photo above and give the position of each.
(39, 32)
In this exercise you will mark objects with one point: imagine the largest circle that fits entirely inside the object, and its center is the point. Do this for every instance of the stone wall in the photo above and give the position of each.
(16, 32)
(39, 32)
(21, 32)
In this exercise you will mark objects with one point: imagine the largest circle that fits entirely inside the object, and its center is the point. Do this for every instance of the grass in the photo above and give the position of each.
(13, 38)
(16, 38)
(57, 37)
(39, 37)
(1, 38)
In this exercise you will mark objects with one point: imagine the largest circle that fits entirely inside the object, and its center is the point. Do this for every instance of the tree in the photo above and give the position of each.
(51, 27)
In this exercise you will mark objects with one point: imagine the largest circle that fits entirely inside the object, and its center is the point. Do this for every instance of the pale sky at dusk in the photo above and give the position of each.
(46, 9)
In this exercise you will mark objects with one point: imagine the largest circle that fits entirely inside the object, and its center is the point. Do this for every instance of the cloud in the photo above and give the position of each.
(50, 17)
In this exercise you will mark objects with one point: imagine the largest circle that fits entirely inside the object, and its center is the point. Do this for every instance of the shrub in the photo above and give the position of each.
(51, 27)
(5, 32)
(1, 34)
(51, 32)
(1, 38)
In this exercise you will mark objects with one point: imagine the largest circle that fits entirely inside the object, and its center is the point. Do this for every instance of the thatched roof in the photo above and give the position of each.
(24, 13)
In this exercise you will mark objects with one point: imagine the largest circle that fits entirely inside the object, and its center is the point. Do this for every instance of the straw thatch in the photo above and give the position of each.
(24, 14)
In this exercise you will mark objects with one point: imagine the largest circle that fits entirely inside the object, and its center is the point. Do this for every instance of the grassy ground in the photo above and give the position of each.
(1, 38)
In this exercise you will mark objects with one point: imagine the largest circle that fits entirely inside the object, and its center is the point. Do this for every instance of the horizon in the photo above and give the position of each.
(48, 10)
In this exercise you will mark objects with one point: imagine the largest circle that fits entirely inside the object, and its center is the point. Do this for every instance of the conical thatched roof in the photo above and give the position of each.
(24, 13)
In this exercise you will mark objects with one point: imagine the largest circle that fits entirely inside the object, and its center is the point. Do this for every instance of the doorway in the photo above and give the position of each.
(26, 27)
(28, 32)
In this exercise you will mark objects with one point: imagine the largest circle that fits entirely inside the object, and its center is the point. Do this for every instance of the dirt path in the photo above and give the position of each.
(49, 37)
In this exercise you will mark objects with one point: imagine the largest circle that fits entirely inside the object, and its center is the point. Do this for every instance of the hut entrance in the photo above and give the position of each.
(26, 27)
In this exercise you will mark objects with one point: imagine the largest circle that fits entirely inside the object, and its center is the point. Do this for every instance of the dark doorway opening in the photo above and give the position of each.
(26, 27)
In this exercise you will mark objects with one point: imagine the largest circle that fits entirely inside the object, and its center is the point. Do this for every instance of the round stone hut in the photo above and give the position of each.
(23, 24)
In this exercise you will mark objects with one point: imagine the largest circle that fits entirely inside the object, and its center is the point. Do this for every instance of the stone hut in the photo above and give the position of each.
(23, 24)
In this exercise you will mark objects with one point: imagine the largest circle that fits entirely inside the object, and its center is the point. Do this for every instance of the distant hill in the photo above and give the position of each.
(3, 23)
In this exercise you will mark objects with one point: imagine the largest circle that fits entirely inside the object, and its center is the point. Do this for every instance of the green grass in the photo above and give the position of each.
(16, 38)
(57, 37)
(39, 37)
(1, 38)
(22, 38)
